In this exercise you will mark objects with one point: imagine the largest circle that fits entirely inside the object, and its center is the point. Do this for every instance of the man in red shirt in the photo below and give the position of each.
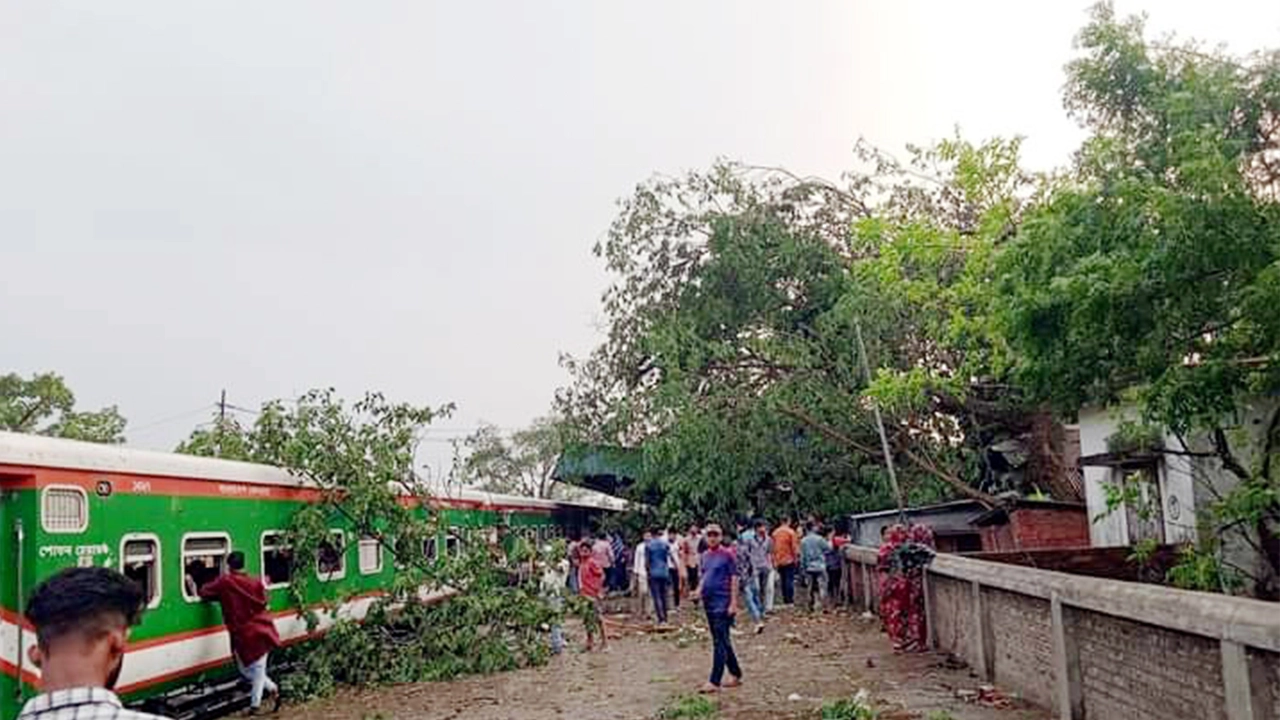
(253, 634)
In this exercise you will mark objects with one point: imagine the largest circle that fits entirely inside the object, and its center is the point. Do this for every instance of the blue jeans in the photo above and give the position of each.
(722, 655)
(751, 589)
(256, 673)
(658, 591)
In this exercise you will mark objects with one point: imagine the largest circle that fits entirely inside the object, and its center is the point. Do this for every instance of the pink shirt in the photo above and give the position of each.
(603, 553)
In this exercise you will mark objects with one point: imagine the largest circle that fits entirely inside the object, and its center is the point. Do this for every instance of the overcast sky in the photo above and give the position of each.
(272, 196)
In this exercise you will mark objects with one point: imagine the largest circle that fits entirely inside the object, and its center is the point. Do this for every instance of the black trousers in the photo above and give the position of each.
(788, 573)
(722, 655)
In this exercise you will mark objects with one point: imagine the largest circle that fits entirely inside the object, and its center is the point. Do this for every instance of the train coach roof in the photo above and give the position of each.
(23, 450)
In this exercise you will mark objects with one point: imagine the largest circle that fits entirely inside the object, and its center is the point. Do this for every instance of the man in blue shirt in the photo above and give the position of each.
(657, 559)
(813, 558)
(718, 591)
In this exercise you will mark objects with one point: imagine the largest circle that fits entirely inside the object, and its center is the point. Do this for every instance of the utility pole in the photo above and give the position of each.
(222, 419)
(884, 439)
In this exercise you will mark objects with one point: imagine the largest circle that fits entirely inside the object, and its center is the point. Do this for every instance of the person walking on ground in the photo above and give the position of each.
(760, 546)
(657, 560)
(640, 575)
(718, 592)
(82, 618)
(690, 557)
(602, 551)
(813, 557)
(243, 598)
(833, 568)
(591, 588)
(618, 573)
(674, 565)
(747, 579)
(572, 552)
(786, 552)
(840, 590)
(553, 587)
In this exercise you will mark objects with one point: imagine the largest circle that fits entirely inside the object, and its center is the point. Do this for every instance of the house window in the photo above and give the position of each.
(64, 509)
(277, 559)
(331, 557)
(140, 562)
(203, 557)
(370, 551)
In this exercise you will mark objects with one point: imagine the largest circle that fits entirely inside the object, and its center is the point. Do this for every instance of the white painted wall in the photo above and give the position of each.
(1176, 483)
(1096, 425)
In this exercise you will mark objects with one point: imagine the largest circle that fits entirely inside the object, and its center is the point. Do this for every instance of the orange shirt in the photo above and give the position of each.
(786, 546)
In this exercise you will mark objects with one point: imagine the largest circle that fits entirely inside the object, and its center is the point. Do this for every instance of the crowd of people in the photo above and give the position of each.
(82, 615)
(704, 565)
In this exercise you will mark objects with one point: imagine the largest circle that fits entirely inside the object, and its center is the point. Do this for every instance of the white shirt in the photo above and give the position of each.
(640, 566)
(82, 703)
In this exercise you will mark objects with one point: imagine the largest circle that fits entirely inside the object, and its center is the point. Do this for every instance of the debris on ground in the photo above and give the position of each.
(987, 696)
(951, 662)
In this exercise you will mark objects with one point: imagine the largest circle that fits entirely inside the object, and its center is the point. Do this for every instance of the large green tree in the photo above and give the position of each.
(44, 405)
(1151, 270)
(732, 352)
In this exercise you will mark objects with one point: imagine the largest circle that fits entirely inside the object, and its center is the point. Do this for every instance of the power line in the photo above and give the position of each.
(162, 421)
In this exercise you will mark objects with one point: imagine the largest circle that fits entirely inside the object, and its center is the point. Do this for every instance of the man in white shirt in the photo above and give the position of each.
(640, 575)
(82, 618)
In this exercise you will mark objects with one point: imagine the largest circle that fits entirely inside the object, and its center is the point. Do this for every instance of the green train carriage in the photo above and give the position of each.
(169, 521)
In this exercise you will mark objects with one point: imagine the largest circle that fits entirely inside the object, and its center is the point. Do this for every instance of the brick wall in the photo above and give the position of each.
(1050, 528)
(1129, 651)
(1134, 671)
(1265, 670)
(1023, 647)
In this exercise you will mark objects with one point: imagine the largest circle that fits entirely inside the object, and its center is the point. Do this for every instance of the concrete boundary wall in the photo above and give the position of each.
(1095, 648)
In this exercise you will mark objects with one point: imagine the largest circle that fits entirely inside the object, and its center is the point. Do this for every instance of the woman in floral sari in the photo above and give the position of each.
(904, 553)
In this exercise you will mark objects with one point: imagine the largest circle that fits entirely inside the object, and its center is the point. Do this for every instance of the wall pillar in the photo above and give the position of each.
(985, 640)
(1066, 665)
(1235, 681)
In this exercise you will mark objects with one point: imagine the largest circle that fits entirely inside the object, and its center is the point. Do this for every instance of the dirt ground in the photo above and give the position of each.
(816, 658)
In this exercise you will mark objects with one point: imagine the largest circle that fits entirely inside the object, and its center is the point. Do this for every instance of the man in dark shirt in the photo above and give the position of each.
(253, 633)
(718, 591)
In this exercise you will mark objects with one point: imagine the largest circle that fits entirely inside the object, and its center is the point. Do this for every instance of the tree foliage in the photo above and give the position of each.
(44, 405)
(1151, 270)
(361, 457)
(523, 464)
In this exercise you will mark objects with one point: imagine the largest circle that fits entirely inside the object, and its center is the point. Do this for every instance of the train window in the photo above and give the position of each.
(429, 549)
(203, 557)
(64, 509)
(140, 562)
(331, 557)
(277, 560)
(453, 544)
(370, 551)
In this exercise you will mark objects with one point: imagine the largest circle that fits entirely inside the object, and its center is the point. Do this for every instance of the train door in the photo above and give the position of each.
(12, 542)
